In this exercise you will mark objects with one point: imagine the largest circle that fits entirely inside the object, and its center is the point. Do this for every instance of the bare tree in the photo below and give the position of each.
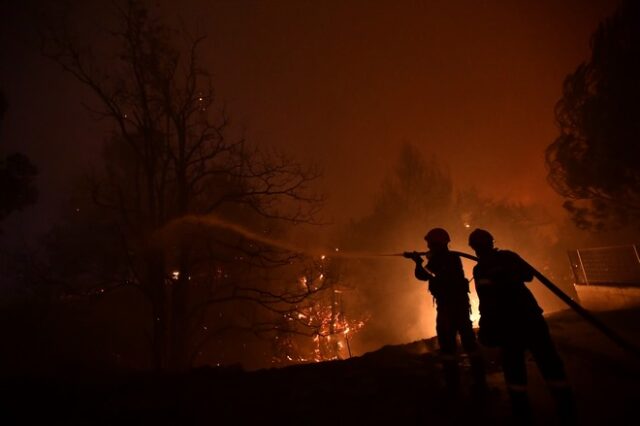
(169, 165)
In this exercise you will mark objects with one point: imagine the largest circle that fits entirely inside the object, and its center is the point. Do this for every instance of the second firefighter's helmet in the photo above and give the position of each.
(480, 238)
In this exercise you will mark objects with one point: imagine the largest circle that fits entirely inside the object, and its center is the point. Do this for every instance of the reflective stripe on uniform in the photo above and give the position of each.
(558, 383)
(516, 388)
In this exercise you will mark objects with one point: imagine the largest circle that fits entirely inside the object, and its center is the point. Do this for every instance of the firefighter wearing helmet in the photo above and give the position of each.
(511, 319)
(450, 290)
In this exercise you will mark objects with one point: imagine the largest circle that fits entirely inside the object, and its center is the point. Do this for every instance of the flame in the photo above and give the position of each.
(330, 340)
(475, 312)
(303, 282)
(321, 315)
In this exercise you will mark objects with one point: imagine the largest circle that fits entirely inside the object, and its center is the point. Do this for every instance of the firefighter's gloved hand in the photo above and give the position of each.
(413, 255)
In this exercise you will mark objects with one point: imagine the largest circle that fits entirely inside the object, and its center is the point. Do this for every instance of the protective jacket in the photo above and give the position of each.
(448, 284)
(506, 304)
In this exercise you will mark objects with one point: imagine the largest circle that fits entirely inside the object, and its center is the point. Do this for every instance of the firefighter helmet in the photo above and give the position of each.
(480, 238)
(437, 236)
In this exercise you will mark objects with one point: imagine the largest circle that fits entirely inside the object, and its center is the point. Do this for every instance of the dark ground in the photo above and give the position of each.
(394, 385)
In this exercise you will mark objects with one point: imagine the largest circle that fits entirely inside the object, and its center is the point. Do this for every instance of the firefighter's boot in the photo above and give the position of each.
(563, 397)
(478, 373)
(520, 406)
(451, 373)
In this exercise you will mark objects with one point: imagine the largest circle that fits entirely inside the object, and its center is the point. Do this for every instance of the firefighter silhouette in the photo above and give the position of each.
(511, 319)
(450, 290)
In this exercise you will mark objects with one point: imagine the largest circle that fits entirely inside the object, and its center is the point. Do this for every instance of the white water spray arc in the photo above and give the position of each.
(217, 222)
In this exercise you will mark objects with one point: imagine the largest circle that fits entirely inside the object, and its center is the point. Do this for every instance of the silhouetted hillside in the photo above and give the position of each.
(393, 385)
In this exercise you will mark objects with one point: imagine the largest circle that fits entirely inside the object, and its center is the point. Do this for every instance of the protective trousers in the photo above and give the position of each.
(451, 321)
(534, 336)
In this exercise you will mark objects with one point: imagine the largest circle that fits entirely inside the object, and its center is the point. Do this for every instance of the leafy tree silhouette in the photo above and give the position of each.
(594, 162)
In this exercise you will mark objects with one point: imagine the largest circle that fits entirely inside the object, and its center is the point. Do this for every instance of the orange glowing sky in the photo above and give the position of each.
(473, 82)
(344, 83)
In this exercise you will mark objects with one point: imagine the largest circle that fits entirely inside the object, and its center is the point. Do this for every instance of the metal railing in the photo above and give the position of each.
(613, 266)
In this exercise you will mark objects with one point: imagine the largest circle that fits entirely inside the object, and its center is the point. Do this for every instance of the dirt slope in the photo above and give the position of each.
(394, 385)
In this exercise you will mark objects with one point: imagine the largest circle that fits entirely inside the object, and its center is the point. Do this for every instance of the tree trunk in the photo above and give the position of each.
(179, 359)
(156, 284)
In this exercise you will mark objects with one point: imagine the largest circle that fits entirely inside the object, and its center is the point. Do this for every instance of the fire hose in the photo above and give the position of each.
(584, 313)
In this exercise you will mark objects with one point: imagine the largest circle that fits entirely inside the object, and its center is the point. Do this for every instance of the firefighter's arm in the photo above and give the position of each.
(521, 269)
(420, 272)
(524, 270)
